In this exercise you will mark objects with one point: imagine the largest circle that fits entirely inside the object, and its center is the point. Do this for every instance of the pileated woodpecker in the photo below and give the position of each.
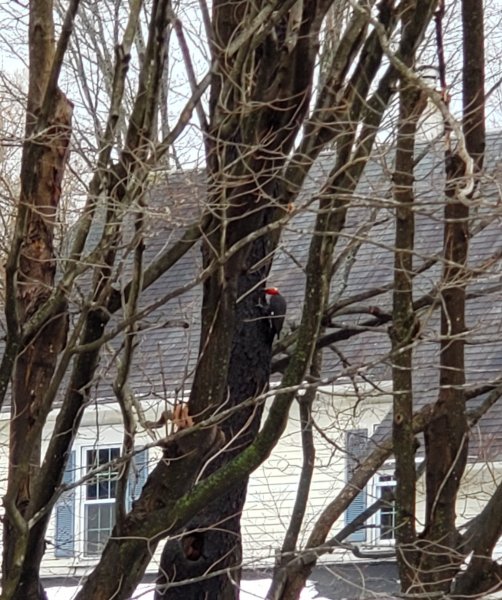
(276, 310)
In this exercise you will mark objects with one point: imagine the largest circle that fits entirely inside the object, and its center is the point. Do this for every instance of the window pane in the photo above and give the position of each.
(92, 518)
(91, 459)
(387, 513)
(106, 519)
(91, 491)
(103, 486)
(387, 524)
(99, 515)
(99, 519)
(92, 543)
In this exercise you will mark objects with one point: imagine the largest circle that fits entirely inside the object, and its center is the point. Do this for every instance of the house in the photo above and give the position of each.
(355, 393)
(350, 411)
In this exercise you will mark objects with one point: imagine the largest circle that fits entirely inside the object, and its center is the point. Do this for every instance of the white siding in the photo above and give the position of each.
(272, 488)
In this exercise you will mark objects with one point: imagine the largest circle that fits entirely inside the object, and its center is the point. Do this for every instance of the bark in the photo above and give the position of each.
(403, 333)
(446, 440)
(211, 541)
(330, 220)
(41, 181)
(169, 498)
(301, 565)
(259, 96)
(446, 437)
(412, 35)
(482, 575)
(143, 527)
(30, 272)
(250, 136)
(208, 390)
(34, 367)
(238, 200)
(341, 100)
(473, 77)
(247, 148)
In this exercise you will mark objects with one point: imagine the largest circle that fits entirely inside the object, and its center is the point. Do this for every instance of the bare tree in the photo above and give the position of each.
(265, 112)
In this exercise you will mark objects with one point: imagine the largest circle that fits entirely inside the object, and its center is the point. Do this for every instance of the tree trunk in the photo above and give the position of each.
(446, 436)
(251, 132)
(211, 542)
(404, 332)
(483, 575)
(30, 273)
(36, 363)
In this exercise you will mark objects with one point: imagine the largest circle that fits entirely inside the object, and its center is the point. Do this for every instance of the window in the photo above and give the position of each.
(99, 499)
(386, 516)
(84, 516)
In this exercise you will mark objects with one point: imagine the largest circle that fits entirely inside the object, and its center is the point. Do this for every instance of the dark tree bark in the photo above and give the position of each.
(31, 270)
(211, 541)
(404, 331)
(30, 273)
(483, 574)
(446, 436)
(252, 127)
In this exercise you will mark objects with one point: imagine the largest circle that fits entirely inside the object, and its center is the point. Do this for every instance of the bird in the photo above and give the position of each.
(276, 310)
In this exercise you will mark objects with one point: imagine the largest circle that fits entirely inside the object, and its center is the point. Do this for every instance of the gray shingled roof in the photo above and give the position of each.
(166, 356)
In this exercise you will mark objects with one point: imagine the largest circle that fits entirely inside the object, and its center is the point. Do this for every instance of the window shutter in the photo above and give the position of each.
(65, 514)
(356, 445)
(138, 473)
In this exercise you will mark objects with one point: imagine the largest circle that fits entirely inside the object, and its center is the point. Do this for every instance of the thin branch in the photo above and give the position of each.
(192, 80)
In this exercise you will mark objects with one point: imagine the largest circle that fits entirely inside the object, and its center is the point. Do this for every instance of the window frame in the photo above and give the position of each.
(85, 502)
(378, 484)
